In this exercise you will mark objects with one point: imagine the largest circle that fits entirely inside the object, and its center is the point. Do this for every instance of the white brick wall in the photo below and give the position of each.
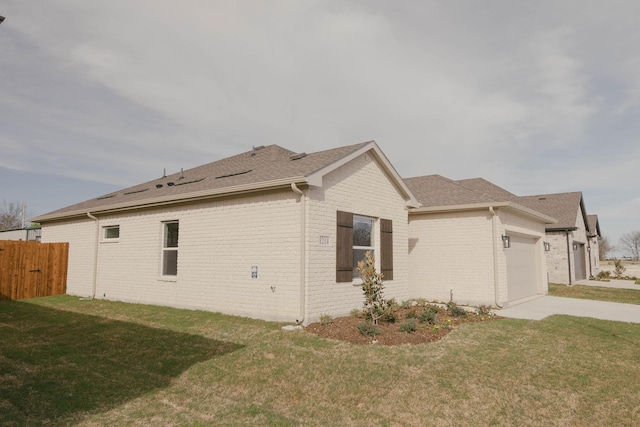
(81, 237)
(362, 188)
(220, 241)
(454, 252)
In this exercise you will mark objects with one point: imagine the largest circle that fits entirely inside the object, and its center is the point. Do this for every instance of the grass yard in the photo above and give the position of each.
(629, 296)
(98, 363)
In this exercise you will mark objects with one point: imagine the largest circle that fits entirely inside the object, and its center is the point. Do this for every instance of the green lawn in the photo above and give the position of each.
(629, 296)
(97, 363)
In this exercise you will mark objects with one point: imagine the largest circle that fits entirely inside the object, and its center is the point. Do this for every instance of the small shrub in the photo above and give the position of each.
(421, 302)
(483, 310)
(618, 268)
(428, 316)
(368, 329)
(356, 313)
(325, 319)
(375, 306)
(407, 304)
(603, 275)
(637, 281)
(435, 308)
(408, 326)
(390, 313)
(412, 314)
(456, 311)
(448, 324)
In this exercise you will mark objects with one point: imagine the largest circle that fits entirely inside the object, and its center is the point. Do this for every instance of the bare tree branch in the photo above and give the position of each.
(10, 215)
(630, 243)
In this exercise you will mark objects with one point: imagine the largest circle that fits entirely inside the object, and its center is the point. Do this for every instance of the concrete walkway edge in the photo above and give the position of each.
(544, 306)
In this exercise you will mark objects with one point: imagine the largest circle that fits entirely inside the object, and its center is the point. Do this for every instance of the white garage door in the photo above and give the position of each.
(522, 271)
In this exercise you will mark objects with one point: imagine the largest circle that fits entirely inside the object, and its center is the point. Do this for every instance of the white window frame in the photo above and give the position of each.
(371, 248)
(166, 249)
(105, 230)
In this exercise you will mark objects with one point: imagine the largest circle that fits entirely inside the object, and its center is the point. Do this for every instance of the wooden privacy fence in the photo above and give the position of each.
(32, 269)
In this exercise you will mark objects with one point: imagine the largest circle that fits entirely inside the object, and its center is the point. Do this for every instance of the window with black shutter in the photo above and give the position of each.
(344, 245)
(354, 237)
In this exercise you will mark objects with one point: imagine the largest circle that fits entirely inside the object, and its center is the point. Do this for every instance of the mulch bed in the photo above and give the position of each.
(346, 328)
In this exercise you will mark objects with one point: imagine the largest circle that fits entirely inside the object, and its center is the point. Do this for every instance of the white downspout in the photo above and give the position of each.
(496, 275)
(95, 256)
(303, 257)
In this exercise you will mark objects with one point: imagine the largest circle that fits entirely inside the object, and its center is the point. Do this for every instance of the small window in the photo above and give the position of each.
(362, 240)
(112, 232)
(170, 249)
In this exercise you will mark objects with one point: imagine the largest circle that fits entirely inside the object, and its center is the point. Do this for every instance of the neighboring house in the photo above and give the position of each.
(472, 242)
(32, 233)
(594, 243)
(571, 240)
(269, 234)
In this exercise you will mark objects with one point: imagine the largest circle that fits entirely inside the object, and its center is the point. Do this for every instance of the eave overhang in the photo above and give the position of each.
(174, 199)
(523, 210)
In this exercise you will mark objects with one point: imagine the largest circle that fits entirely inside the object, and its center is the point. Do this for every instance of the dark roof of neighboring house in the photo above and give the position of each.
(562, 206)
(437, 194)
(487, 188)
(261, 168)
(594, 226)
(436, 190)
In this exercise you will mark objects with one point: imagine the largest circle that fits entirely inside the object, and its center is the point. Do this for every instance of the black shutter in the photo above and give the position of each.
(344, 247)
(386, 248)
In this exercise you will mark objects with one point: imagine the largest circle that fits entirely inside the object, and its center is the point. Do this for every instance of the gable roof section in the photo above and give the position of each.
(259, 169)
(562, 206)
(439, 194)
(594, 226)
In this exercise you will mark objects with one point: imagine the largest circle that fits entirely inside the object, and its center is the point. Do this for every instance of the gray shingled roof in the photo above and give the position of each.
(594, 225)
(487, 188)
(562, 206)
(256, 168)
(436, 190)
(436, 193)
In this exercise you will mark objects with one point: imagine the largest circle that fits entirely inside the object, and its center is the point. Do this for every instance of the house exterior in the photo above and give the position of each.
(471, 241)
(269, 234)
(594, 243)
(572, 242)
(276, 235)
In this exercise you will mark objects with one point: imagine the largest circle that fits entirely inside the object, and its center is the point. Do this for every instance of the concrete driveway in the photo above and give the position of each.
(539, 308)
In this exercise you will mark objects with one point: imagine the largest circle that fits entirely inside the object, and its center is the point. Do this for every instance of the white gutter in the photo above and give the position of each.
(303, 258)
(496, 274)
(95, 256)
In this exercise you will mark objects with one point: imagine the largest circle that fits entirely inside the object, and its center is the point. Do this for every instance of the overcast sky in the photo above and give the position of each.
(537, 97)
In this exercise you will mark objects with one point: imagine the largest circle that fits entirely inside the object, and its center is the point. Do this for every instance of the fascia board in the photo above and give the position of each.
(173, 199)
(486, 205)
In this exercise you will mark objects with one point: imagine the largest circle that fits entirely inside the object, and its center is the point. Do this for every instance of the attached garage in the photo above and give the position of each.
(522, 267)
(456, 246)
(578, 259)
